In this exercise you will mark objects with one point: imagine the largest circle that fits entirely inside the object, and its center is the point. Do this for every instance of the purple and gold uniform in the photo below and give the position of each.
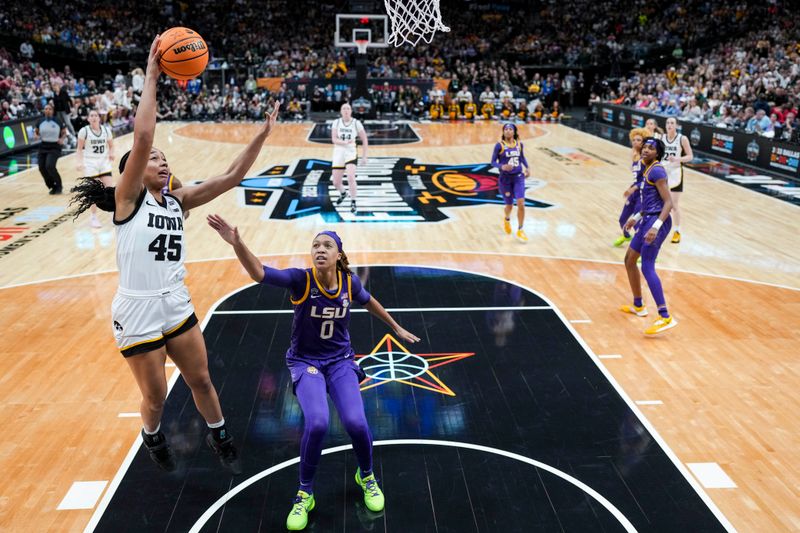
(321, 318)
(633, 201)
(512, 182)
(321, 361)
(650, 206)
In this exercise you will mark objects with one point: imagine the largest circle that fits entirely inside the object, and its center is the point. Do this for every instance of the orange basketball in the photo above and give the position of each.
(184, 54)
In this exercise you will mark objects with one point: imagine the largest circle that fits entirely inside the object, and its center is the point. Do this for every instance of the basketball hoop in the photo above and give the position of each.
(413, 20)
(362, 45)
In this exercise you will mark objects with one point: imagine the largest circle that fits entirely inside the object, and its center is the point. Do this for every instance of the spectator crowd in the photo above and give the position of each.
(749, 81)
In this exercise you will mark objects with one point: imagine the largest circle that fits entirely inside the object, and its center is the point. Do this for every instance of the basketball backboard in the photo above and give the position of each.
(354, 27)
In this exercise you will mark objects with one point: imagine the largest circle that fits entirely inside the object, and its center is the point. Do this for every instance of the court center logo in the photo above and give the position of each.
(390, 361)
(390, 189)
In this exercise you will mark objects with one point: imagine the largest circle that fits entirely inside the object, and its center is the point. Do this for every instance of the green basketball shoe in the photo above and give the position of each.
(298, 516)
(373, 497)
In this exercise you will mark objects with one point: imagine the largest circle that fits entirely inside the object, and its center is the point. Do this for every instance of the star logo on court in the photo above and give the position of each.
(391, 361)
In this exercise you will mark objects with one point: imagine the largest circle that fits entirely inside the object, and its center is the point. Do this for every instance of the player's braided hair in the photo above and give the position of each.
(343, 264)
(90, 191)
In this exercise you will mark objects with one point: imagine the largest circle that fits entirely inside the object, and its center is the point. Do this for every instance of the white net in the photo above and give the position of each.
(413, 21)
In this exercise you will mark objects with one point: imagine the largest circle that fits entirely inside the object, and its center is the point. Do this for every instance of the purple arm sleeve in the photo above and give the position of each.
(360, 294)
(292, 278)
(496, 156)
(522, 156)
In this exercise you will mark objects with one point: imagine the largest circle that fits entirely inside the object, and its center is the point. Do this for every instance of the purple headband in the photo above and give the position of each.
(334, 236)
(652, 142)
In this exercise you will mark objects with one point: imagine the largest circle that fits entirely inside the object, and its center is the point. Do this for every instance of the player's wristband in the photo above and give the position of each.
(636, 217)
(657, 224)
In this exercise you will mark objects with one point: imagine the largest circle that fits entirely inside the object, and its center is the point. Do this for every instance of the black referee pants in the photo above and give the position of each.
(47, 166)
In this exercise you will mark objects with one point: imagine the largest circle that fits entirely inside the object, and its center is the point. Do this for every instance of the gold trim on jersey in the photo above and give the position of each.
(648, 169)
(503, 142)
(305, 294)
(140, 342)
(323, 290)
(171, 330)
(350, 287)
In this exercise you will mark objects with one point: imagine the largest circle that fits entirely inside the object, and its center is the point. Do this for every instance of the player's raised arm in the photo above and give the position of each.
(196, 195)
(375, 308)
(230, 235)
(131, 182)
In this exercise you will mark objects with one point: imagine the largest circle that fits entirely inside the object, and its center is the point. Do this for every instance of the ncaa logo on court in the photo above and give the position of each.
(390, 189)
(390, 361)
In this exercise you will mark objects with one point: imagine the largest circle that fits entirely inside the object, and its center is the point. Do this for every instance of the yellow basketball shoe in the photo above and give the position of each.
(661, 325)
(676, 237)
(507, 226)
(632, 309)
(303, 504)
(521, 235)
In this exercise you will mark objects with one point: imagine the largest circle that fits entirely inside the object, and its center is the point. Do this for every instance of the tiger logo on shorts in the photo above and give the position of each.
(312, 370)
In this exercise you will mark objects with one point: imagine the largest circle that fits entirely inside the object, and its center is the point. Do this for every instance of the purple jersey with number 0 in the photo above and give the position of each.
(321, 318)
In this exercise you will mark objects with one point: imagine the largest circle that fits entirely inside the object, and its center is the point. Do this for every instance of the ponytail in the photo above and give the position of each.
(91, 191)
(343, 264)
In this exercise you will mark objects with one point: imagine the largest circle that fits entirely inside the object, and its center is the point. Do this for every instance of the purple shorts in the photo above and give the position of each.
(512, 188)
(638, 244)
(327, 369)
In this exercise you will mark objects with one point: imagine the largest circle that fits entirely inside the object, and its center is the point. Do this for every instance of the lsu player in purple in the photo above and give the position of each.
(631, 194)
(320, 357)
(652, 223)
(509, 158)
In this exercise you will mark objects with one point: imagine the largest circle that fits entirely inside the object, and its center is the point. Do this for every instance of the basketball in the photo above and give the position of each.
(184, 54)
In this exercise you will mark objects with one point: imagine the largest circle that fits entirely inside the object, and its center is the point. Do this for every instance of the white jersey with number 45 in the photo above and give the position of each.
(150, 246)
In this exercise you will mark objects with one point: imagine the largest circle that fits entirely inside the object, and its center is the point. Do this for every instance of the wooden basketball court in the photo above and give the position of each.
(720, 388)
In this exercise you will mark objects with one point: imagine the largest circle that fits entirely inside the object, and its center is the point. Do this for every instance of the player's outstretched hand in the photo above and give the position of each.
(406, 336)
(228, 233)
(154, 58)
(272, 116)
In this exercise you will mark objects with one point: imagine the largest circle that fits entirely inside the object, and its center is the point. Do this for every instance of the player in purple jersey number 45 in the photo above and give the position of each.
(320, 356)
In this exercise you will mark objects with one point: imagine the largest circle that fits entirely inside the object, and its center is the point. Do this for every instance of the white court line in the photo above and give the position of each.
(610, 356)
(393, 310)
(129, 415)
(606, 373)
(82, 495)
(438, 252)
(624, 522)
(580, 321)
(649, 402)
(169, 365)
(711, 475)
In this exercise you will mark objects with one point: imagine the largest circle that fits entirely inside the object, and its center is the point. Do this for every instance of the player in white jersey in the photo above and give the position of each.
(652, 127)
(677, 151)
(345, 155)
(95, 154)
(152, 312)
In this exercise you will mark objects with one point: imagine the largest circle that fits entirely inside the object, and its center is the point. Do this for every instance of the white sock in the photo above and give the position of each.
(155, 431)
(216, 424)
